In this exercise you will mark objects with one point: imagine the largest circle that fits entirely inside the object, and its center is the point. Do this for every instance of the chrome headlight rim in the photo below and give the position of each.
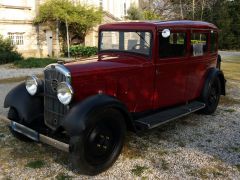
(32, 90)
(68, 88)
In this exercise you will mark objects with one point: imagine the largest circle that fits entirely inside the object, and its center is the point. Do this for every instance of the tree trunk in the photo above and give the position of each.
(202, 10)
(57, 39)
(68, 45)
(193, 9)
(181, 9)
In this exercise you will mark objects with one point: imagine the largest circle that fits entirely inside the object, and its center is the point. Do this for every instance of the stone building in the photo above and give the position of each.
(16, 22)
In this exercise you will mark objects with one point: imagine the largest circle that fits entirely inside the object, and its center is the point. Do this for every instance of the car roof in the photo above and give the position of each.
(161, 24)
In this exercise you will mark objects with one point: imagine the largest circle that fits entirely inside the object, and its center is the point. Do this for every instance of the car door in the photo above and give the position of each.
(198, 62)
(171, 68)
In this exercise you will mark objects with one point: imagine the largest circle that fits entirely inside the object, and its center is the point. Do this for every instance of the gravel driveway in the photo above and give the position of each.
(6, 71)
(193, 147)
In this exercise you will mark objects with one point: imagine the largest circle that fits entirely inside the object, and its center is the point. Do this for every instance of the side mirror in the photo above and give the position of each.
(166, 33)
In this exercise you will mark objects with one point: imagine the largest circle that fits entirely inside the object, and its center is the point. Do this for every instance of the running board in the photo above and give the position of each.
(165, 116)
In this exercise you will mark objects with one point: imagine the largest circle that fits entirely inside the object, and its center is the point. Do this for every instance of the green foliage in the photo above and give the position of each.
(134, 13)
(150, 15)
(139, 170)
(34, 62)
(36, 164)
(83, 51)
(80, 18)
(8, 52)
(63, 176)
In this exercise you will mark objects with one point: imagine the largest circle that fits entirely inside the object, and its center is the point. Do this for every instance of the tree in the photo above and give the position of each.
(134, 13)
(80, 19)
(150, 15)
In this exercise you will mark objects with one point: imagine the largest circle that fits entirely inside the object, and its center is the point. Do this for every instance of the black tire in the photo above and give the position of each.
(97, 148)
(211, 96)
(13, 115)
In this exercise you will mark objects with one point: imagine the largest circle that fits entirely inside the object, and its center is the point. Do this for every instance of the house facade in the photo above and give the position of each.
(16, 23)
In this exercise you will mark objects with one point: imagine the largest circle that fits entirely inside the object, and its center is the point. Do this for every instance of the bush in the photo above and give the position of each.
(34, 62)
(8, 52)
(82, 51)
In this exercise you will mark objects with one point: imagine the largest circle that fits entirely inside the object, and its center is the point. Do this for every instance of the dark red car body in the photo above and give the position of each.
(146, 83)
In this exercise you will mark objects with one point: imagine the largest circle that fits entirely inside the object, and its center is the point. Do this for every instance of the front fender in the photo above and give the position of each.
(76, 120)
(28, 107)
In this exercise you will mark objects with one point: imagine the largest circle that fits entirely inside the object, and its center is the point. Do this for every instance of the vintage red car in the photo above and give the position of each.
(145, 74)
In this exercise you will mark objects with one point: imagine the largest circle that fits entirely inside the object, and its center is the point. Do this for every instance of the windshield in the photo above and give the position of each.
(126, 41)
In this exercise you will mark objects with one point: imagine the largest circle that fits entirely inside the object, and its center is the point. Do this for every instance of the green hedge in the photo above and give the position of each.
(7, 51)
(34, 62)
(83, 51)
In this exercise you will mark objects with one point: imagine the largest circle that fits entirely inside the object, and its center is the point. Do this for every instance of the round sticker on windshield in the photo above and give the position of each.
(166, 33)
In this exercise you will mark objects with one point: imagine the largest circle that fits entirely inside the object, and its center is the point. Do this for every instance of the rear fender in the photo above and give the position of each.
(212, 73)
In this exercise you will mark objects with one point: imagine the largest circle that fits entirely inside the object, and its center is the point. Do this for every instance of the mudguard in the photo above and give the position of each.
(212, 73)
(28, 107)
(76, 120)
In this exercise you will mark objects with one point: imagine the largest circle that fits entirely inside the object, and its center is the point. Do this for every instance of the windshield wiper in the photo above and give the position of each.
(142, 38)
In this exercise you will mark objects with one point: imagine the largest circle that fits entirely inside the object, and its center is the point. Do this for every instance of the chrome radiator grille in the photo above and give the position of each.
(54, 111)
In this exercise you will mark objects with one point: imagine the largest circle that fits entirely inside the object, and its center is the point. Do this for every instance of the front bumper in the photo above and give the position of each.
(34, 135)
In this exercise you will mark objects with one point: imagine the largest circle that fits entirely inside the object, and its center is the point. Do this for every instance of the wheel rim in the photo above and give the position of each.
(101, 142)
(213, 94)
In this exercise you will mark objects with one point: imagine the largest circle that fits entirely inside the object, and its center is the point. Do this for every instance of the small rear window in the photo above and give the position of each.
(199, 44)
(213, 44)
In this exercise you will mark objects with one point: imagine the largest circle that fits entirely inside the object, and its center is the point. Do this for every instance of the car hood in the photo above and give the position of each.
(104, 63)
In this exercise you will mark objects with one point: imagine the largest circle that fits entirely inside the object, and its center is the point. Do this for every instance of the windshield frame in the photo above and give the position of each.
(125, 51)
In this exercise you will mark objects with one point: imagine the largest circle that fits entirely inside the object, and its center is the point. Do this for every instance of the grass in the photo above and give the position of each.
(63, 176)
(34, 62)
(226, 100)
(36, 164)
(165, 164)
(138, 170)
(238, 167)
(235, 149)
(231, 69)
(230, 110)
(181, 144)
(162, 152)
(207, 172)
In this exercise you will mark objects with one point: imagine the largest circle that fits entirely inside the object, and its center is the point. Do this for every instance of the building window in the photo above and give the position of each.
(16, 38)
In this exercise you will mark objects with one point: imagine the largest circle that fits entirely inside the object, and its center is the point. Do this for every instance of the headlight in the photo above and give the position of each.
(64, 93)
(31, 84)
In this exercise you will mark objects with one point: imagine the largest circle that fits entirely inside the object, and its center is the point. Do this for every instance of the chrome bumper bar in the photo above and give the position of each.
(34, 135)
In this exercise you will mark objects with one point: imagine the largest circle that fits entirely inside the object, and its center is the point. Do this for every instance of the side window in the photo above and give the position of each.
(213, 44)
(199, 44)
(172, 46)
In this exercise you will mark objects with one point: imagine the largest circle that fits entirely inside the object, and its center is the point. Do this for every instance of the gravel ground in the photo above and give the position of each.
(193, 147)
(229, 53)
(6, 71)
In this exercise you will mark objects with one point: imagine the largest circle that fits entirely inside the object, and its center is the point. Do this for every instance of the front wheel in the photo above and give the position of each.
(98, 147)
(211, 96)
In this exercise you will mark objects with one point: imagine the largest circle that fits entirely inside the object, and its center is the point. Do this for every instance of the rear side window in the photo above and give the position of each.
(213, 44)
(199, 44)
(172, 46)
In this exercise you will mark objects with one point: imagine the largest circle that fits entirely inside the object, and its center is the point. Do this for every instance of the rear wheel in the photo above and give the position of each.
(96, 149)
(13, 115)
(211, 96)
